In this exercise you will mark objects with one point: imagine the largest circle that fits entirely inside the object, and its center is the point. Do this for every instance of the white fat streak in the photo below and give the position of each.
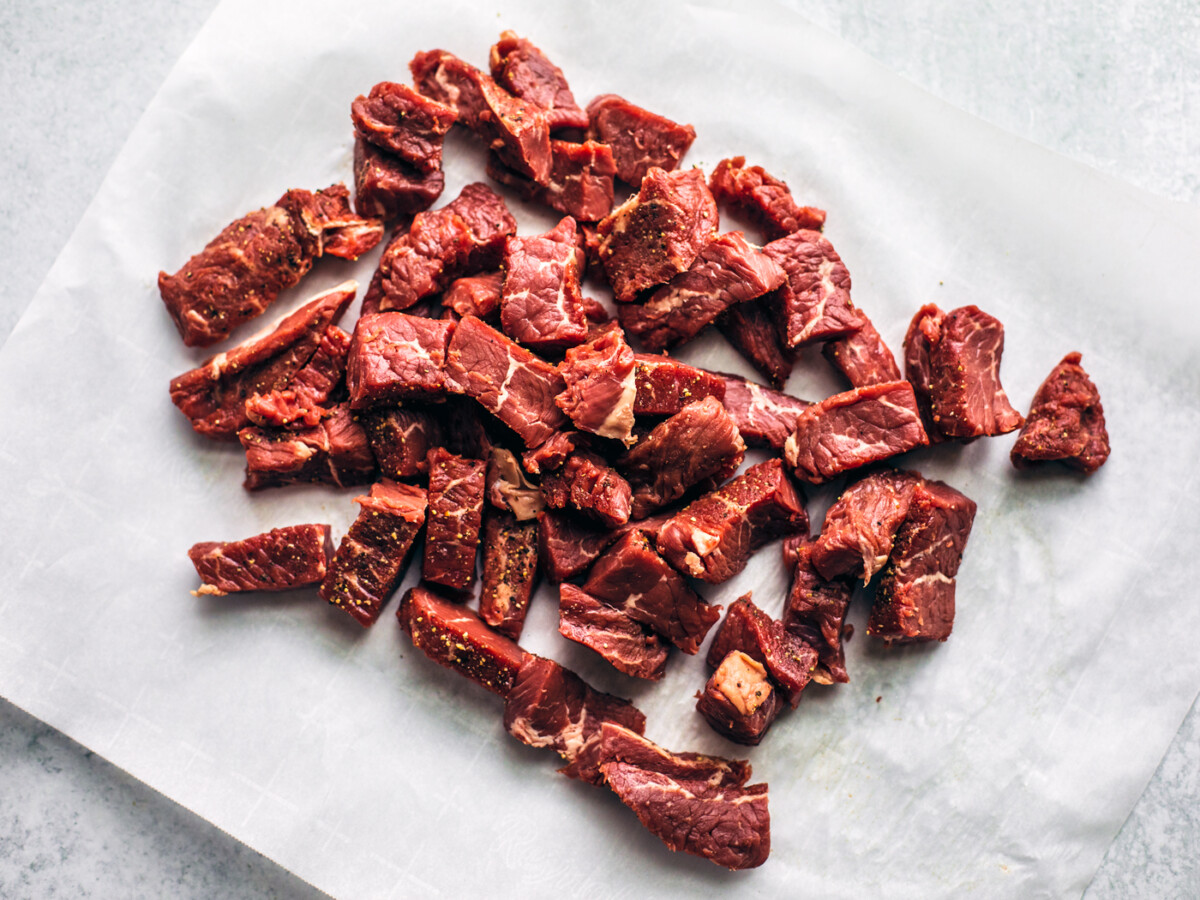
(619, 421)
(502, 394)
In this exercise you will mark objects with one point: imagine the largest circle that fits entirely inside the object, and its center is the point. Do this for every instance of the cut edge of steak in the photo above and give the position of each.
(277, 560)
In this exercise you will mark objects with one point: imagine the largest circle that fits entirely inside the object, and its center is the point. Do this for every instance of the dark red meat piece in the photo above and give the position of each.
(640, 139)
(789, 660)
(862, 356)
(421, 260)
(489, 222)
(553, 452)
(589, 486)
(850, 430)
(395, 357)
(456, 488)
(401, 438)
(751, 327)
(328, 223)
(279, 560)
(923, 330)
(665, 385)
(301, 403)
(510, 551)
(601, 386)
(568, 544)
(765, 418)
(580, 182)
(816, 613)
(762, 198)
(967, 400)
(541, 305)
(1065, 423)
(387, 187)
(336, 452)
(629, 647)
(371, 558)
(738, 700)
(816, 298)
(397, 119)
(524, 71)
(475, 295)
(860, 527)
(615, 743)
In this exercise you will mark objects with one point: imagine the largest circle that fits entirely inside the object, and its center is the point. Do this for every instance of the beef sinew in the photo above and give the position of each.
(738, 700)
(816, 298)
(277, 560)
(1065, 423)
(816, 613)
(524, 71)
(762, 198)
(510, 556)
(640, 139)
(601, 386)
(456, 489)
(789, 661)
(628, 646)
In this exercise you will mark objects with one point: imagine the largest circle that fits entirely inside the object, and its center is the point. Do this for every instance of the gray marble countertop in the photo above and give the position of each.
(1112, 83)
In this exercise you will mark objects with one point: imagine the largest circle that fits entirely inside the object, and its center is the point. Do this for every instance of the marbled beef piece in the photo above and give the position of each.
(550, 455)
(860, 527)
(601, 386)
(699, 442)
(764, 417)
(789, 660)
(421, 260)
(455, 637)
(330, 226)
(615, 743)
(738, 700)
(213, 396)
(1065, 423)
(475, 295)
(515, 129)
(629, 647)
(862, 356)
(508, 489)
(589, 486)
(762, 198)
(301, 404)
(816, 613)
(279, 560)
(396, 357)
(336, 452)
(580, 183)
(712, 538)
(640, 139)
(489, 221)
(456, 489)
(851, 430)
(923, 330)
(816, 298)
(550, 706)
(731, 826)
(386, 187)
(401, 439)
(541, 305)
(569, 544)
(658, 232)
(510, 555)
(967, 400)
(524, 71)
(727, 271)
(371, 558)
(634, 578)
(397, 119)
(507, 380)
(752, 329)
(665, 385)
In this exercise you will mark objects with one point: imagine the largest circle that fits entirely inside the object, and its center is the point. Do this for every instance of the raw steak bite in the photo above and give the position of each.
(214, 395)
(738, 701)
(634, 578)
(508, 489)
(568, 544)
(336, 451)
(658, 232)
(401, 439)
(966, 398)
(580, 182)
(301, 404)
(601, 386)
(816, 298)
(279, 560)
(726, 272)
(506, 379)
(396, 357)
(1066, 422)
(665, 385)
(386, 187)
(752, 330)
(456, 488)
(589, 486)
(475, 295)
(789, 661)
(699, 442)
(640, 139)
(489, 222)
(455, 637)
(862, 356)
(816, 613)
(850, 430)
(629, 647)
(396, 118)
(518, 131)
(510, 550)
(762, 198)
(524, 71)
(860, 527)
(915, 600)
(764, 417)
(616, 743)
(924, 328)
(553, 452)
(371, 558)
(713, 537)
(541, 305)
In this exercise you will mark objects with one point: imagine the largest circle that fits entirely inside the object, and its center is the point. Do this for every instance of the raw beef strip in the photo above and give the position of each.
(396, 118)
(915, 600)
(861, 525)
(386, 187)
(601, 386)
(665, 385)
(489, 221)
(751, 328)
(629, 647)
(727, 825)
(853, 429)
(713, 537)
(280, 559)
(509, 572)
(397, 357)
(374, 553)
(634, 578)
(1066, 422)
(476, 295)
(456, 487)
(762, 198)
(967, 400)
(301, 403)
(551, 706)
(640, 139)
(580, 182)
(738, 701)
(508, 489)
(923, 330)
(524, 71)
(401, 438)
(507, 380)
(214, 395)
(816, 298)
(515, 129)
(657, 233)
(420, 260)
(764, 417)
(862, 356)
(789, 660)
(334, 452)
(541, 305)
(726, 272)
(589, 486)
(615, 743)
(816, 613)
(699, 442)
(455, 637)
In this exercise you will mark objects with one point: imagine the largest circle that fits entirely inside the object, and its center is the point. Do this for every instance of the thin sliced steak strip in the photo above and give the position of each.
(816, 298)
(816, 613)
(1065, 423)
(628, 646)
(456, 491)
(510, 556)
(524, 71)
(762, 198)
(277, 560)
(640, 140)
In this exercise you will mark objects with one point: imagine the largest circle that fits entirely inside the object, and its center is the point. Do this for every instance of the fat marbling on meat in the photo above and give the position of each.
(640, 140)
(860, 527)
(764, 417)
(630, 647)
(456, 492)
(541, 305)
(601, 390)
(816, 298)
(395, 356)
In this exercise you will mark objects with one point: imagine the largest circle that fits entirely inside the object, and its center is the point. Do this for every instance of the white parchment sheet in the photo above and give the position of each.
(998, 764)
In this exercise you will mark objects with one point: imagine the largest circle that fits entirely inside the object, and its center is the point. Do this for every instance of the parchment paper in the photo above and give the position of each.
(999, 763)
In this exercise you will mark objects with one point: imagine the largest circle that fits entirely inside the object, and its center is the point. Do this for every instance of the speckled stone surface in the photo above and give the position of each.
(1113, 83)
